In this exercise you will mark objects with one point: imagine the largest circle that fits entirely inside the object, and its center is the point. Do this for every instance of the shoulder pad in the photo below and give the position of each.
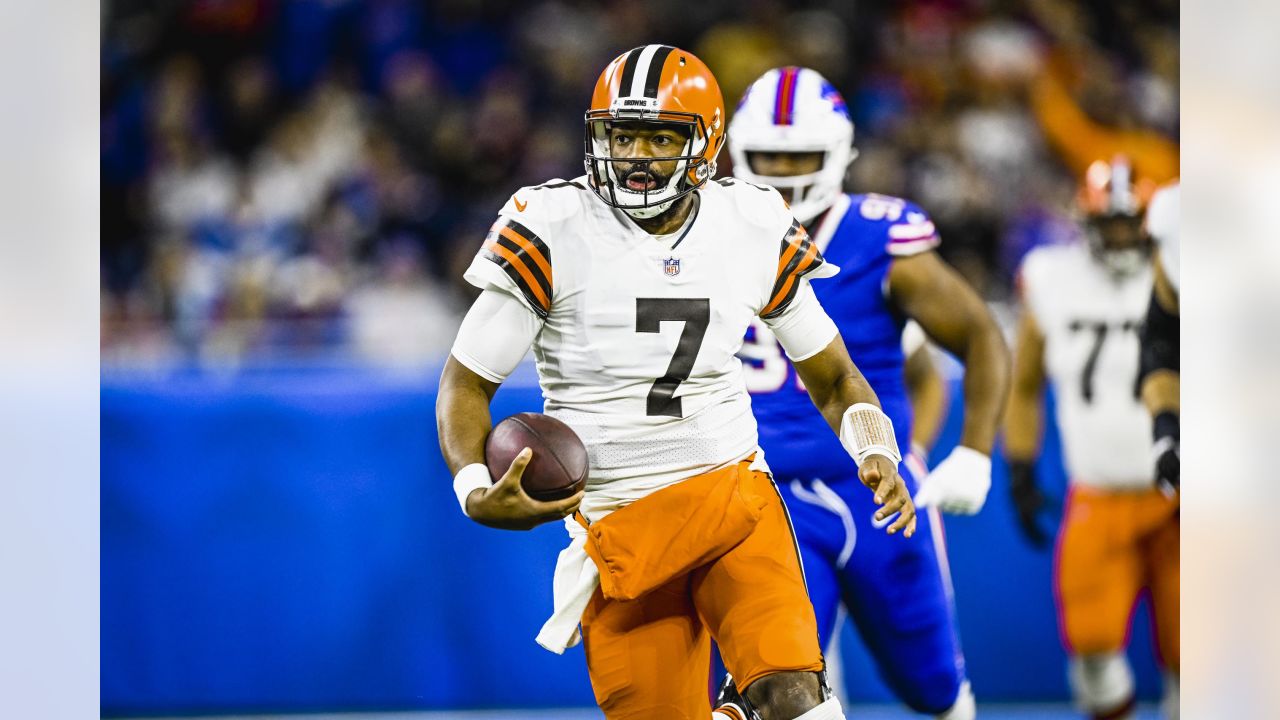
(759, 205)
(907, 227)
(1042, 262)
(548, 203)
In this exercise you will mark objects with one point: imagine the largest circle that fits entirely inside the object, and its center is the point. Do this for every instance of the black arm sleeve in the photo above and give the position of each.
(1160, 339)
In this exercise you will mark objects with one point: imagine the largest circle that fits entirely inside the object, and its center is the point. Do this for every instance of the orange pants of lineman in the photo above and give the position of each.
(1113, 545)
(649, 657)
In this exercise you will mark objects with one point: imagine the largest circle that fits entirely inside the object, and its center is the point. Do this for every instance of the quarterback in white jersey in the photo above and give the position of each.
(648, 378)
(634, 285)
(1082, 315)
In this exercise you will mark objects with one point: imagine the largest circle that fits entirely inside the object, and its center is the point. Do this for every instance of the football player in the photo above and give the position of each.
(1161, 337)
(792, 131)
(1082, 312)
(634, 285)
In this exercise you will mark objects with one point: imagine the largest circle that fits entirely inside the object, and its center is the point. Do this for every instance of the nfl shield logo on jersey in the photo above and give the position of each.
(671, 266)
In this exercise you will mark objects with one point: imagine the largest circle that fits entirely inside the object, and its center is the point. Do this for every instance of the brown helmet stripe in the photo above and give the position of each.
(629, 71)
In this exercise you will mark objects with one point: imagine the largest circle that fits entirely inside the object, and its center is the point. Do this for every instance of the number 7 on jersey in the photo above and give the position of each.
(696, 316)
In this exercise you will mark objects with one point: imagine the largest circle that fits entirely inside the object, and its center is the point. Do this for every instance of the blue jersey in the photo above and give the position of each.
(862, 234)
(897, 591)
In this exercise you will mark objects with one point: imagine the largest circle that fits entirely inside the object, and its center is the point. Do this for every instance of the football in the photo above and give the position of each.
(558, 467)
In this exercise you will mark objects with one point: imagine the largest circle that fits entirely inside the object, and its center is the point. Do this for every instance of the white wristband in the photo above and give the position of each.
(865, 431)
(469, 478)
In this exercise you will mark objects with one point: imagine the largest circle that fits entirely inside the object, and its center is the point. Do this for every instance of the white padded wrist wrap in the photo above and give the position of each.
(471, 477)
(865, 431)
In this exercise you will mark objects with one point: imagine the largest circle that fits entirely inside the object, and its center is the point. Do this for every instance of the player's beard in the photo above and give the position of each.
(641, 176)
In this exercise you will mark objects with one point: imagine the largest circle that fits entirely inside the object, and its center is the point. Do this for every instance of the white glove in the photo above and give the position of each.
(959, 484)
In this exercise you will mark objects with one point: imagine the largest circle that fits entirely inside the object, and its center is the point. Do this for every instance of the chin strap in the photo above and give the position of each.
(652, 211)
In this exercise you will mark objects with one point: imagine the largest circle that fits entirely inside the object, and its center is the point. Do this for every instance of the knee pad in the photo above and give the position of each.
(828, 709)
(732, 704)
(1101, 683)
(1171, 701)
(965, 707)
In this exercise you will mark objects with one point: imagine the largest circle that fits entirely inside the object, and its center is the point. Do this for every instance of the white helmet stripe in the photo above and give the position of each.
(641, 73)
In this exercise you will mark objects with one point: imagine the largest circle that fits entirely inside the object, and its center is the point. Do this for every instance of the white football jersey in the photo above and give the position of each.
(1162, 222)
(637, 352)
(1090, 322)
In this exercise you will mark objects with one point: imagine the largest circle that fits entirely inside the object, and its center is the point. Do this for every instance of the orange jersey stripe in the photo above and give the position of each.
(806, 263)
(786, 257)
(518, 263)
(528, 247)
(796, 241)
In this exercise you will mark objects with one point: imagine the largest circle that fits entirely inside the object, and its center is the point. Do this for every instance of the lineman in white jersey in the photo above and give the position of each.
(1083, 307)
(634, 285)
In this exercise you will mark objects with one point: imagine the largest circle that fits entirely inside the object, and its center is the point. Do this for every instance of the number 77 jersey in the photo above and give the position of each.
(639, 333)
(1089, 318)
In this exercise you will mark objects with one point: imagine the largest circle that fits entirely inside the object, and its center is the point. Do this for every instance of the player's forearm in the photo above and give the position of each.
(1162, 392)
(1022, 426)
(462, 415)
(834, 383)
(835, 393)
(928, 399)
(986, 386)
(1160, 361)
(1022, 418)
(850, 390)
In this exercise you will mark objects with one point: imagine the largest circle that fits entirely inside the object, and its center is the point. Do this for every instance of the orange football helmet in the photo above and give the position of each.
(664, 85)
(1112, 200)
(1112, 188)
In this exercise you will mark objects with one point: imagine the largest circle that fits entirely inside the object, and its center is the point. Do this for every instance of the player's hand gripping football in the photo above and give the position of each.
(878, 473)
(507, 506)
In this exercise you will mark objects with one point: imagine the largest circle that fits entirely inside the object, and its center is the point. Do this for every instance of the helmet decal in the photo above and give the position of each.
(833, 96)
(784, 102)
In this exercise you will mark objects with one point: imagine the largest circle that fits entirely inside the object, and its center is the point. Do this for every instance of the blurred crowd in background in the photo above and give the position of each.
(307, 179)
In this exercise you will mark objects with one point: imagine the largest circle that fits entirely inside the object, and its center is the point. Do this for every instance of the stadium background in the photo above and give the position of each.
(289, 191)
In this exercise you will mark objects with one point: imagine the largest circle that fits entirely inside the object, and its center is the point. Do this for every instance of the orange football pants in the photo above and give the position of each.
(1111, 547)
(650, 657)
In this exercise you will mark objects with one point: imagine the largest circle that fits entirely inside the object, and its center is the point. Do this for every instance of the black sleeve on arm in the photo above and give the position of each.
(1160, 339)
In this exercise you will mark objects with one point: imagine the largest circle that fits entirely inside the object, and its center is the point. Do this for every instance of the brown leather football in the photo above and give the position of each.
(558, 467)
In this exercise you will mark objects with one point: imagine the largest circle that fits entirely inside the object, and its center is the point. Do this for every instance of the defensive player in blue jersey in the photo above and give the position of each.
(792, 130)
